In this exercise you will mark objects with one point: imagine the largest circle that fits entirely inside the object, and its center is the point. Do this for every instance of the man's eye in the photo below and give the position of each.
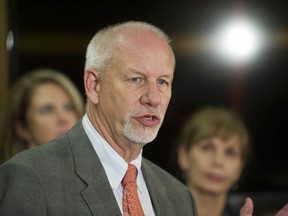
(136, 79)
(162, 82)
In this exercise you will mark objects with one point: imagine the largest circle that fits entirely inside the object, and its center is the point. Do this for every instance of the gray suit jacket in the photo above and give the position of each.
(66, 177)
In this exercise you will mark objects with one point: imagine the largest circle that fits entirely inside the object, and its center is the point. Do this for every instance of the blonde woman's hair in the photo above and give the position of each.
(18, 104)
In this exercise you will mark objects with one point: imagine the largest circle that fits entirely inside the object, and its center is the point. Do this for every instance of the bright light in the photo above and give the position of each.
(238, 40)
(10, 41)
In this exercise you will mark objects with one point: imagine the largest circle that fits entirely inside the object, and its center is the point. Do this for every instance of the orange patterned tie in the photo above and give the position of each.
(131, 202)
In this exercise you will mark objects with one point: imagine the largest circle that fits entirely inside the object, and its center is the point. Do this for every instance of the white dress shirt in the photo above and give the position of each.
(115, 167)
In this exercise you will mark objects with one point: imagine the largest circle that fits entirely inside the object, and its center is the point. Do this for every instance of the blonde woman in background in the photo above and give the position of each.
(42, 105)
(212, 153)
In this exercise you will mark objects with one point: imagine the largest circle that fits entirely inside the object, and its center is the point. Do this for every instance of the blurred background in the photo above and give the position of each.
(54, 34)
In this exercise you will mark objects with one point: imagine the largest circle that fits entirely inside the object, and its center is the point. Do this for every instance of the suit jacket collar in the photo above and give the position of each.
(98, 195)
(158, 193)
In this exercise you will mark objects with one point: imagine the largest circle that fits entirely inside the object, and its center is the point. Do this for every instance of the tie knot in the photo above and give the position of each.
(130, 175)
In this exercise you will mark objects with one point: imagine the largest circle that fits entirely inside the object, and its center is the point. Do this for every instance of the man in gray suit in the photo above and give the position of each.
(128, 77)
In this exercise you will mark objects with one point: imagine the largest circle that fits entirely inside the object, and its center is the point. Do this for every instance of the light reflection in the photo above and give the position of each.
(238, 40)
(10, 41)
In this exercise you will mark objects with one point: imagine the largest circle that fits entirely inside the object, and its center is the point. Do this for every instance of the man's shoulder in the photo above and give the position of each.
(56, 148)
(37, 164)
(44, 153)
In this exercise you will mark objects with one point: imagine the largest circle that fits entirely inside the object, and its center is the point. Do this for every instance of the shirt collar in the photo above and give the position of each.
(114, 165)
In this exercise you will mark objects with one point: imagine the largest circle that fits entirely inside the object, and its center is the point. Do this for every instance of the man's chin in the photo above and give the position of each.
(140, 134)
(140, 139)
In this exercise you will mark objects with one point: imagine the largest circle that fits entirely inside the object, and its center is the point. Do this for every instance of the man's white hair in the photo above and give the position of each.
(101, 51)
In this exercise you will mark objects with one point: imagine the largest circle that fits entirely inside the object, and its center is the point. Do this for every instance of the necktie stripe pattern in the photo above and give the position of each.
(131, 202)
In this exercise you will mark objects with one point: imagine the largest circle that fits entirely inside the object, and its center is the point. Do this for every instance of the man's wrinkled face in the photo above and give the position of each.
(135, 92)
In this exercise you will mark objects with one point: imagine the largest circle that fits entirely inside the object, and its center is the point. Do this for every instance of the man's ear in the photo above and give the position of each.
(182, 158)
(91, 83)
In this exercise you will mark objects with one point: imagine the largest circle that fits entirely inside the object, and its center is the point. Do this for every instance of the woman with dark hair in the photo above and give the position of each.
(212, 152)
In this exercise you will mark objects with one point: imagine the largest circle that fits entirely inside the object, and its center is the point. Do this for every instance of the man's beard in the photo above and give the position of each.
(137, 135)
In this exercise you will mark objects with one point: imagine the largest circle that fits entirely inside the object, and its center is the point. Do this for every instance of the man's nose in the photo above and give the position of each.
(151, 95)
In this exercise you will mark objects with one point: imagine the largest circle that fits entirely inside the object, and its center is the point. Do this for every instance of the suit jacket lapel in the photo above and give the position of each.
(98, 195)
(161, 205)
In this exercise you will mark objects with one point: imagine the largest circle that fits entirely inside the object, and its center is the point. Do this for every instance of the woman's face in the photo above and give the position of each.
(213, 165)
(50, 114)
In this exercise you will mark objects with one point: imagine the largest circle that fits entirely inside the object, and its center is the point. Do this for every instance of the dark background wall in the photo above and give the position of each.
(55, 33)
